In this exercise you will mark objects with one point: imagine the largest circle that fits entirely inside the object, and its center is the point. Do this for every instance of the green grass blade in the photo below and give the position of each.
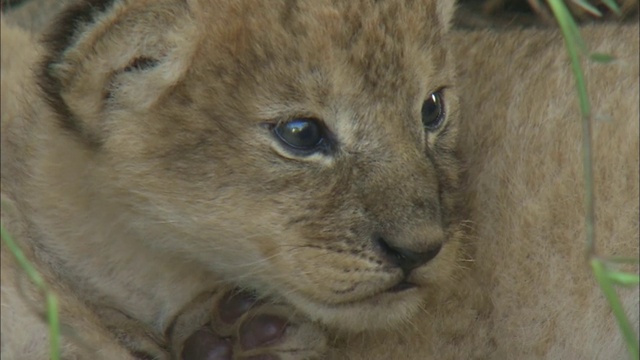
(54, 326)
(623, 279)
(600, 272)
(601, 58)
(31, 272)
(606, 279)
(588, 7)
(34, 276)
(572, 40)
(613, 6)
(575, 46)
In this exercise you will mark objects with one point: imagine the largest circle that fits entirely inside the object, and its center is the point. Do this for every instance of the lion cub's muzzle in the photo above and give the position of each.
(405, 259)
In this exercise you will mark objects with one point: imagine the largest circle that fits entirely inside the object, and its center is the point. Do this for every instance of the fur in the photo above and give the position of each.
(528, 292)
(135, 157)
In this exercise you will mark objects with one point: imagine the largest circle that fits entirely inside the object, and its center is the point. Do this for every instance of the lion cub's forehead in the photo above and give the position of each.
(374, 38)
(307, 56)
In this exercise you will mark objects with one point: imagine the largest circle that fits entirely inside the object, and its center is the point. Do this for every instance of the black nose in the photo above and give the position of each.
(405, 259)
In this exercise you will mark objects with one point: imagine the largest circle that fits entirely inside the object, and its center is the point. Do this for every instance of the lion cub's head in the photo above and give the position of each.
(305, 149)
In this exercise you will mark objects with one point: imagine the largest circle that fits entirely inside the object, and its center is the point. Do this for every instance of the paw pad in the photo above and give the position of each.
(243, 328)
(263, 329)
(234, 305)
(204, 344)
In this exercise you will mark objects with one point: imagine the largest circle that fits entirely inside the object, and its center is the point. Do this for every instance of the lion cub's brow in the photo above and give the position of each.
(384, 51)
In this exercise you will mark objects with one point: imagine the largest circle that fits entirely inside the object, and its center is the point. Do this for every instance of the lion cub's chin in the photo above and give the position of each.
(380, 311)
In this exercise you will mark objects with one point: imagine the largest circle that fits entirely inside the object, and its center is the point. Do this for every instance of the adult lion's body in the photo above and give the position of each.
(528, 291)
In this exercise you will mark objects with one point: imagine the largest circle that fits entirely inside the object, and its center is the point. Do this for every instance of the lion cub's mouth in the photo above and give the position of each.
(391, 305)
(401, 286)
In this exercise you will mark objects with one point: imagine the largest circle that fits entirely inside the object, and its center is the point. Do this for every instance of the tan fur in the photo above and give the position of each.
(146, 188)
(547, 304)
(532, 295)
(23, 327)
(529, 293)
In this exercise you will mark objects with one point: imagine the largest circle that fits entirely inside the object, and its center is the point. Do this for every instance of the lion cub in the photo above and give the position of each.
(163, 153)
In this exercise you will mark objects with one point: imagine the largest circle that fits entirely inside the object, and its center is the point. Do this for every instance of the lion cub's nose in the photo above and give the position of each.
(406, 259)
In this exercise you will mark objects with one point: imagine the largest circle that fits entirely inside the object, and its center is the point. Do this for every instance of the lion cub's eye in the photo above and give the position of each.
(300, 134)
(433, 111)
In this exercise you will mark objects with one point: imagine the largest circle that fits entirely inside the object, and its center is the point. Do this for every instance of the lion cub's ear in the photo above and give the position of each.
(113, 55)
(445, 9)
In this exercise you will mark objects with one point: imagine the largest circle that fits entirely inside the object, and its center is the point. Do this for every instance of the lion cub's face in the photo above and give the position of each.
(305, 149)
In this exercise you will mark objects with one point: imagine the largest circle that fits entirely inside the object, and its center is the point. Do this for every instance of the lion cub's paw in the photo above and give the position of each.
(244, 328)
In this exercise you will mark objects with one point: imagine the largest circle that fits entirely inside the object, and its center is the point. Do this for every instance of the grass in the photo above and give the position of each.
(606, 277)
(38, 281)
